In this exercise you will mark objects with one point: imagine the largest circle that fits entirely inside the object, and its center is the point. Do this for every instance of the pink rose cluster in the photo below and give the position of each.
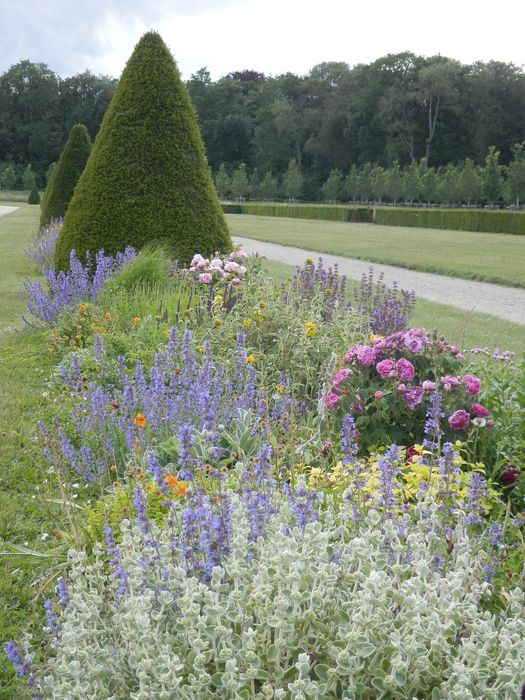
(217, 269)
(478, 416)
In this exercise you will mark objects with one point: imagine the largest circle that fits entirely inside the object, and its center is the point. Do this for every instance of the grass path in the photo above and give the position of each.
(490, 257)
(24, 367)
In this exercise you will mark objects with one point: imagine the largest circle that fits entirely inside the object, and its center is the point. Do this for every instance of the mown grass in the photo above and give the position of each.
(464, 328)
(483, 256)
(25, 365)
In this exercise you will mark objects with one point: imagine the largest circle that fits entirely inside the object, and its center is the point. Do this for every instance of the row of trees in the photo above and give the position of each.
(38, 110)
(400, 108)
(463, 183)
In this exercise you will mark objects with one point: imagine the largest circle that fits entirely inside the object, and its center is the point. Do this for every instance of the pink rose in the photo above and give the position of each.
(237, 254)
(393, 374)
(472, 384)
(449, 382)
(459, 420)
(412, 342)
(341, 376)
(236, 281)
(428, 385)
(479, 411)
(205, 278)
(414, 396)
(406, 370)
(231, 266)
(491, 423)
(385, 367)
(365, 355)
(401, 388)
(378, 395)
(197, 261)
(332, 400)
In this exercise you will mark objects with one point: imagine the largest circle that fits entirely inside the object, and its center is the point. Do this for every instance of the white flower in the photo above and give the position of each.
(44, 536)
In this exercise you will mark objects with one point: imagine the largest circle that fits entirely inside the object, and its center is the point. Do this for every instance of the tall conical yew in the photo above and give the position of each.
(66, 174)
(147, 178)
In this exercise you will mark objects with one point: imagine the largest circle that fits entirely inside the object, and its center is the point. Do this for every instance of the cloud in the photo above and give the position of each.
(71, 36)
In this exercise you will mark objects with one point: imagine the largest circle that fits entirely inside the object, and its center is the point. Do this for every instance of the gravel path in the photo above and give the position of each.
(494, 299)
(7, 210)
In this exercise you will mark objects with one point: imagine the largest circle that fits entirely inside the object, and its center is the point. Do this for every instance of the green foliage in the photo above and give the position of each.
(147, 178)
(333, 188)
(222, 182)
(303, 211)
(293, 180)
(453, 219)
(148, 270)
(65, 174)
(34, 195)
(240, 186)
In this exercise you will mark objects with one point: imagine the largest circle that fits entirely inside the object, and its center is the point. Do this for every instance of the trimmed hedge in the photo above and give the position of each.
(66, 174)
(34, 195)
(482, 220)
(147, 178)
(304, 211)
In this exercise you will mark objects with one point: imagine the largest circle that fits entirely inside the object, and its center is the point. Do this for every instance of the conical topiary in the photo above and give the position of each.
(147, 178)
(34, 195)
(68, 170)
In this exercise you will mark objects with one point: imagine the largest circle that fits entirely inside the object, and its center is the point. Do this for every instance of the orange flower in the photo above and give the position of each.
(83, 307)
(171, 481)
(140, 474)
(135, 320)
(140, 420)
(107, 315)
(183, 489)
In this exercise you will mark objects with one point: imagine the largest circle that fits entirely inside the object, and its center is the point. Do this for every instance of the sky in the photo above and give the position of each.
(270, 36)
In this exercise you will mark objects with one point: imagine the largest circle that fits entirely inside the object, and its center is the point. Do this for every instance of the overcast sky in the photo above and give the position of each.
(271, 36)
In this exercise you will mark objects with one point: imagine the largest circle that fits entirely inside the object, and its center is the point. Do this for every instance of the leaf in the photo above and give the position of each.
(216, 680)
(321, 671)
(273, 653)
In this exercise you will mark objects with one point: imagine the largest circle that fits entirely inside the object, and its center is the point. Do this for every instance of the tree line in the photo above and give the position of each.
(459, 184)
(390, 113)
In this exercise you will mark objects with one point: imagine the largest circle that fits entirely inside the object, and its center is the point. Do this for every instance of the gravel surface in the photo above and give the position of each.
(7, 210)
(484, 297)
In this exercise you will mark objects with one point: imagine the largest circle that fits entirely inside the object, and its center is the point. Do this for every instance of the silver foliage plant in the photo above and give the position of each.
(330, 609)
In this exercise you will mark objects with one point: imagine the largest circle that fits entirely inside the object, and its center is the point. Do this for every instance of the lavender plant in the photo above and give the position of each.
(42, 250)
(389, 308)
(81, 283)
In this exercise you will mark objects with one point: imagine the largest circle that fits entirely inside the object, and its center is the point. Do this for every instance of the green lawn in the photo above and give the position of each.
(484, 256)
(25, 365)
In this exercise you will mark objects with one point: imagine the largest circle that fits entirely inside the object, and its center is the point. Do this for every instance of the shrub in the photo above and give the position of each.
(34, 195)
(274, 597)
(66, 174)
(150, 268)
(147, 178)
(453, 219)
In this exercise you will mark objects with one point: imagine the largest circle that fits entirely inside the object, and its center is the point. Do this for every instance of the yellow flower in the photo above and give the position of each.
(140, 420)
(315, 475)
(311, 329)
(135, 320)
(107, 315)
(219, 299)
(218, 321)
(309, 261)
(281, 389)
(167, 332)
(373, 337)
(250, 359)
(262, 305)
(247, 322)
(260, 315)
(201, 349)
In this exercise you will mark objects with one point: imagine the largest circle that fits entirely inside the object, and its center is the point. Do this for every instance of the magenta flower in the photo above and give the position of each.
(366, 355)
(341, 376)
(378, 395)
(428, 385)
(332, 400)
(472, 384)
(413, 396)
(385, 367)
(479, 411)
(413, 342)
(459, 420)
(406, 370)
(509, 474)
(449, 382)
(205, 278)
